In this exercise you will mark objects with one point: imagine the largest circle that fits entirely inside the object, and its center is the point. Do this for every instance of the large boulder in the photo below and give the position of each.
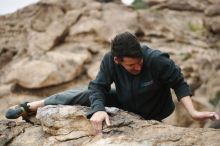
(213, 24)
(53, 68)
(10, 129)
(96, 23)
(68, 125)
(167, 25)
(213, 10)
(93, 70)
(187, 5)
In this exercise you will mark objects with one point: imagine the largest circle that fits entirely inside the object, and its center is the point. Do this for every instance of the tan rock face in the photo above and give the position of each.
(6, 55)
(67, 125)
(50, 69)
(213, 10)
(93, 70)
(11, 129)
(65, 120)
(97, 26)
(212, 23)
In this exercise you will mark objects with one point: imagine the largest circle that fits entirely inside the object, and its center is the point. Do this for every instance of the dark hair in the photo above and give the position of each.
(126, 45)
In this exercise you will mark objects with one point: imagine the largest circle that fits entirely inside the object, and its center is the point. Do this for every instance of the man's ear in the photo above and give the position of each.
(116, 60)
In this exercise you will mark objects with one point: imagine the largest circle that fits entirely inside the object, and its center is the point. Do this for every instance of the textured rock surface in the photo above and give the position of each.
(53, 68)
(10, 129)
(67, 125)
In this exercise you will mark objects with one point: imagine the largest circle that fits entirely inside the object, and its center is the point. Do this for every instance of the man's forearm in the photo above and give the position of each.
(196, 115)
(187, 102)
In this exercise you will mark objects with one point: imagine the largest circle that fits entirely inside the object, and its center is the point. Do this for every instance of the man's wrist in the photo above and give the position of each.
(193, 113)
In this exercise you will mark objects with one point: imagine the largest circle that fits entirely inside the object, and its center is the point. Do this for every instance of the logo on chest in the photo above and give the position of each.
(147, 83)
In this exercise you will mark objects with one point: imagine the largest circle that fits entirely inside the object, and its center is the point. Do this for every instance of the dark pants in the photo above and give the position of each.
(80, 97)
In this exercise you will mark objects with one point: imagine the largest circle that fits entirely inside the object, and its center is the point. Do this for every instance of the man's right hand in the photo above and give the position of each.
(97, 120)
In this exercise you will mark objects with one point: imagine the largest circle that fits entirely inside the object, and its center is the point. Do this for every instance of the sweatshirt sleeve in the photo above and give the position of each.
(100, 86)
(169, 74)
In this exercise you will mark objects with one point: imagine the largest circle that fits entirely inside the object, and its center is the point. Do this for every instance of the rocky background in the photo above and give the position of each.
(56, 45)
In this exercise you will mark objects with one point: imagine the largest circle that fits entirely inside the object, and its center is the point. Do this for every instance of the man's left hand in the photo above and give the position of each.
(200, 116)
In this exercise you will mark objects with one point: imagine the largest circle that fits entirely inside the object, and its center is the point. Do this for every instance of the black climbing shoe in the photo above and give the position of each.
(18, 110)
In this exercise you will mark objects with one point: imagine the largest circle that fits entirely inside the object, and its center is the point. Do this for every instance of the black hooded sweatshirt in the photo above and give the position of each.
(148, 93)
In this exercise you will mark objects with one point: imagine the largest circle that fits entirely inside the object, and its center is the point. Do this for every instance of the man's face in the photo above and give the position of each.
(132, 65)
